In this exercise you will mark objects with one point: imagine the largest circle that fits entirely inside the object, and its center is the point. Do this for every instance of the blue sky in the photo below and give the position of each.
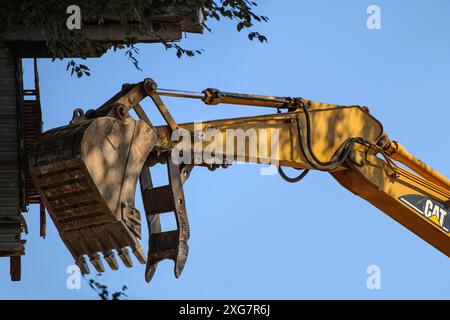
(256, 236)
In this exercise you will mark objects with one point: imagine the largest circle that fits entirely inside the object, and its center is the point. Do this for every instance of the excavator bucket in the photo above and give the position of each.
(86, 174)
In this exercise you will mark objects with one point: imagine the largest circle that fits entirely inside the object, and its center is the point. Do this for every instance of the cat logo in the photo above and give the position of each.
(433, 210)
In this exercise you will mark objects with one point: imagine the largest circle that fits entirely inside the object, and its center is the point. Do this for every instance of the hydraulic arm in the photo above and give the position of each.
(87, 171)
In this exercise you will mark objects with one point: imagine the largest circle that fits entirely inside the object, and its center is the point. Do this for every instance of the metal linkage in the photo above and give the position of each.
(212, 96)
(169, 198)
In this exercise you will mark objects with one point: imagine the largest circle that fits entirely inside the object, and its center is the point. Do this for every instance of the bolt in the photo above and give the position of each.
(121, 111)
(365, 108)
(150, 86)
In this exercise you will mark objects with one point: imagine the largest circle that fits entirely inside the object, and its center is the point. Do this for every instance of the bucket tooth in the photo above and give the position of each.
(110, 258)
(125, 256)
(139, 254)
(97, 263)
(82, 264)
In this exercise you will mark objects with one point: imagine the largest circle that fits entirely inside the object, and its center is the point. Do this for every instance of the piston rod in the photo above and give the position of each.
(213, 96)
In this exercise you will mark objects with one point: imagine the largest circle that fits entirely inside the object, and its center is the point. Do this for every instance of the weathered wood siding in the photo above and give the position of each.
(10, 203)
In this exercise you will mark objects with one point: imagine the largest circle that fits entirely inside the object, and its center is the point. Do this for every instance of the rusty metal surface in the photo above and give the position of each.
(171, 244)
(153, 221)
(86, 173)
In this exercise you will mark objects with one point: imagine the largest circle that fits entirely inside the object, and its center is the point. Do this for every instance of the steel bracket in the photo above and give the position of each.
(157, 200)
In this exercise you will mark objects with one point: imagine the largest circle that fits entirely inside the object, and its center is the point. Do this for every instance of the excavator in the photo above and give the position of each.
(87, 172)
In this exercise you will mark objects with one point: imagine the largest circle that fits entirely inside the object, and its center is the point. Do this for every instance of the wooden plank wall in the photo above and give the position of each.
(10, 182)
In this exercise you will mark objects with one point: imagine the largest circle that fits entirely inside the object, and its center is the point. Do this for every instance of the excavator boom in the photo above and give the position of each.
(86, 172)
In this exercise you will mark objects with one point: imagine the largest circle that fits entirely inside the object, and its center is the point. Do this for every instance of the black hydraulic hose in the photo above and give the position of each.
(336, 161)
(295, 179)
